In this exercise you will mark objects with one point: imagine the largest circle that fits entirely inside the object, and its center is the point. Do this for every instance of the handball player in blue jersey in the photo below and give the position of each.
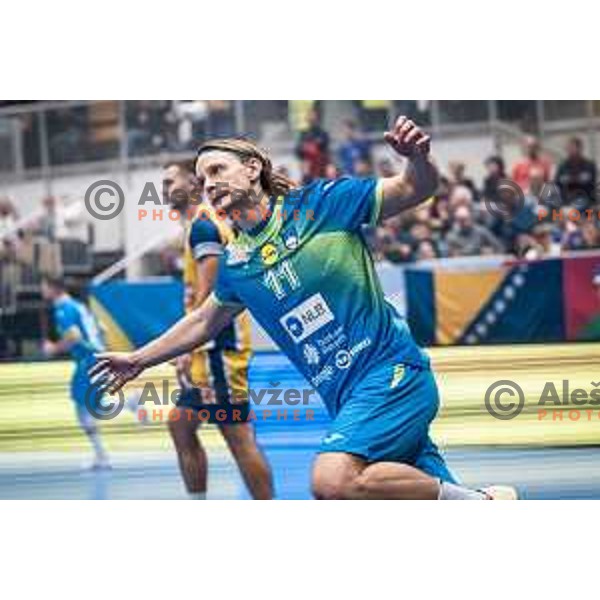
(81, 337)
(300, 265)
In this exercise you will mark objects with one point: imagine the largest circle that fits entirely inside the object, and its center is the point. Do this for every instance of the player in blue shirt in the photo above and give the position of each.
(81, 337)
(309, 280)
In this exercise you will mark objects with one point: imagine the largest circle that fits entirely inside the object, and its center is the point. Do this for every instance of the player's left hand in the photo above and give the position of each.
(408, 139)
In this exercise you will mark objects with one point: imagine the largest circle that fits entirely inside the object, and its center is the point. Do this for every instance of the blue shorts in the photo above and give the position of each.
(387, 417)
(219, 380)
(82, 391)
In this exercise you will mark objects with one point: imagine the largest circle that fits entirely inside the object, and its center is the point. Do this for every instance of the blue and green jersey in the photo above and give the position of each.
(309, 280)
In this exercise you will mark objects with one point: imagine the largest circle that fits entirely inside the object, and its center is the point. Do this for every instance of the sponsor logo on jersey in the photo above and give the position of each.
(269, 254)
(333, 340)
(333, 437)
(343, 359)
(360, 346)
(311, 355)
(236, 255)
(324, 375)
(397, 375)
(307, 318)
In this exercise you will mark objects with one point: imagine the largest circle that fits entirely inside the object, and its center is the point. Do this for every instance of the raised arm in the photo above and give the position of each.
(419, 180)
(114, 369)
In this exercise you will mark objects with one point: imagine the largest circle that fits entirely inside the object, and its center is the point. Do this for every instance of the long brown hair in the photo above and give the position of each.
(274, 184)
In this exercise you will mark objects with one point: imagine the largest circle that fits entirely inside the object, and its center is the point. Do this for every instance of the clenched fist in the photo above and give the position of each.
(408, 139)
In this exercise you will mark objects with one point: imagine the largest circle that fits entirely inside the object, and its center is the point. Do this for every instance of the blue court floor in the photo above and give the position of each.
(539, 473)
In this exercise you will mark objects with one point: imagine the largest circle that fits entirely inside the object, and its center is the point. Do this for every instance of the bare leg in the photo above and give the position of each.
(338, 476)
(252, 463)
(190, 454)
(90, 429)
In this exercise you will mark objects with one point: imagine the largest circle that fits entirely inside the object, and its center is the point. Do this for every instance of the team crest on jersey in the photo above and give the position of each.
(236, 255)
(290, 241)
(269, 254)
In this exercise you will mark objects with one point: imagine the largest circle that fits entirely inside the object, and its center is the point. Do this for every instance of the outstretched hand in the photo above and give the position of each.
(113, 370)
(408, 139)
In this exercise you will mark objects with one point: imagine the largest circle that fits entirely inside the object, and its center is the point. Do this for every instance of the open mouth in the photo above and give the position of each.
(218, 199)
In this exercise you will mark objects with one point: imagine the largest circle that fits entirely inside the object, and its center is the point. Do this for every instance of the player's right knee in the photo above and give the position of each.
(326, 487)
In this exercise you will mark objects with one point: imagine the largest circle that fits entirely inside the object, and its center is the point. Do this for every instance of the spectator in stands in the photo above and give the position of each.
(139, 136)
(395, 249)
(458, 177)
(519, 217)
(576, 176)
(570, 234)
(444, 188)
(440, 215)
(533, 160)
(590, 235)
(8, 217)
(459, 196)
(581, 236)
(220, 122)
(467, 238)
(62, 220)
(540, 243)
(332, 171)
(66, 132)
(150, 124)
(8, 236)
(313, 148)
(59, 222)
(422, 232)
(190, 118)
(355, 149)
(426, 250)
(495, 173)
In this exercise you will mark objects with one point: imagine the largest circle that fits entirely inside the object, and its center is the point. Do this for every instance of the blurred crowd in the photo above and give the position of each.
(175, 125)
(555, 212)
(459, 221)
(37, 242)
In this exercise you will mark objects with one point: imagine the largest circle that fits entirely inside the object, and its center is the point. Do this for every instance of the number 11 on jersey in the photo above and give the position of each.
(282, 279)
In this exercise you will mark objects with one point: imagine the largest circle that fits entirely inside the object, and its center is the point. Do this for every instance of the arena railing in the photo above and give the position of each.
(51, 139)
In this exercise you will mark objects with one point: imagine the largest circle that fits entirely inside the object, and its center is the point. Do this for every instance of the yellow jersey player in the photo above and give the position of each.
(217, 371)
